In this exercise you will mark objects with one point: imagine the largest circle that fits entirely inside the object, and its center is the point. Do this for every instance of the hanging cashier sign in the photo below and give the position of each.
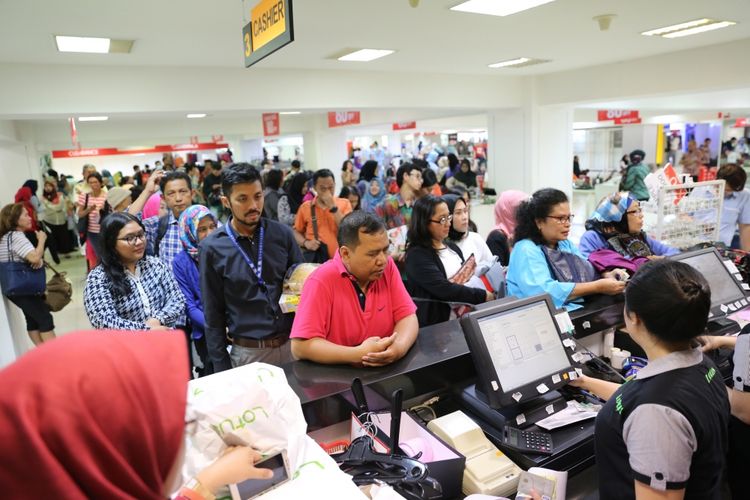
(269, 29)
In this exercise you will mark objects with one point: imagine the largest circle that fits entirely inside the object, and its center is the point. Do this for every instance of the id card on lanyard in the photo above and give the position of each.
(257, 269)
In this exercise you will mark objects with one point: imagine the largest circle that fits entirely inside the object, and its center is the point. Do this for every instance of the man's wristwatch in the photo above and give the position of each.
(333, 209)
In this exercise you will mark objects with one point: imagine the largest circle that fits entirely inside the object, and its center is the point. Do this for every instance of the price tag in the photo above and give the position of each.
(517, 396)
(550, 409)
(521, 419)
(745, 286)
(724, 308)
(542, 388)
(556, 378)
(564, 322)
(494, 385)
(569, 343)
(573, 375)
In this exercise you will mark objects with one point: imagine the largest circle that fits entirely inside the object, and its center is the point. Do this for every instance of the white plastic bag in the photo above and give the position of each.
(253, 405)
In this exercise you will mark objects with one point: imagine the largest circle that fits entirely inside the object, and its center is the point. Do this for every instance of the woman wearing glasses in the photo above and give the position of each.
(435, 268)
(543, 260)
(128, 290)
(615, 235)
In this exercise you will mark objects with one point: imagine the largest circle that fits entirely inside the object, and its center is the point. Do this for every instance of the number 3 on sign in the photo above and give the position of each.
(248, 49)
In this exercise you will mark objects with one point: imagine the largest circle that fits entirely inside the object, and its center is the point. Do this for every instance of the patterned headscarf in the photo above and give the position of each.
(613, 207)
(189, 220)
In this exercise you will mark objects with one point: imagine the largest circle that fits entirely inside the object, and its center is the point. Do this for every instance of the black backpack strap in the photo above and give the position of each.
(314, 219)
(160, 232)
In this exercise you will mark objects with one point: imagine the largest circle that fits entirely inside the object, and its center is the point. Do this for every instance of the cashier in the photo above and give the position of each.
(663, 434)
(543, 260)
(354, 309)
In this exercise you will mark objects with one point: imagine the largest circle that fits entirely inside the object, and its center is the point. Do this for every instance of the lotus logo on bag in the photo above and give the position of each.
(247, 417)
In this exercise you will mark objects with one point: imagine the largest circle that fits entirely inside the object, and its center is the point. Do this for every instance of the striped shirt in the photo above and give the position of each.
(96, 201)
(19, 246)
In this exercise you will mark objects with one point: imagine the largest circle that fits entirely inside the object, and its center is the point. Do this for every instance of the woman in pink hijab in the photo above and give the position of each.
(500, 239)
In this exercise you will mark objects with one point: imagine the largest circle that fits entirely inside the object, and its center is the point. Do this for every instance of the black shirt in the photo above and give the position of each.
(208, 183)
(684, 447)
(232, 298)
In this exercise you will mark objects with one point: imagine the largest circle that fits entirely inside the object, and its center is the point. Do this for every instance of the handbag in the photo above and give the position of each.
(19, 278)
(83, 223)
(59, 290)
(320, 255)
(567, 267)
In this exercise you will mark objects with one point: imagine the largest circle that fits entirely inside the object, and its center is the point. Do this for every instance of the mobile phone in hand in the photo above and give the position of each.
(253, 488)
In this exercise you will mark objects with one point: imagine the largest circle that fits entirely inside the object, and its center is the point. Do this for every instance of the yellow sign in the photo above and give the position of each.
(268, 21)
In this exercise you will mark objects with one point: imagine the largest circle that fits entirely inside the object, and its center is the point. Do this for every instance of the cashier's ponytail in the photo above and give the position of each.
(671, 298)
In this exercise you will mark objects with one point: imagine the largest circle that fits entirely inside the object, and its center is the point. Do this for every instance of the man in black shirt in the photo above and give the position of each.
(242, 267)
(212, 186)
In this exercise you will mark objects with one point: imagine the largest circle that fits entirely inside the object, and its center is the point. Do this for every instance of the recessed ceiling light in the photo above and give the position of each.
(93, 118)
(689, 28)
(82, 44)
(290, 112)
(518, 62)
(498, 7)
(196, 115)
(365, 55)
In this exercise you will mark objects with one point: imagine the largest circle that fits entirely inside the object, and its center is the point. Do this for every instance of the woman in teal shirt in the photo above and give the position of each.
(543, 260)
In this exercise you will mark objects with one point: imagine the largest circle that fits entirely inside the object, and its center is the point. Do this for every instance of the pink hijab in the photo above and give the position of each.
(505, 211)
(151, 207)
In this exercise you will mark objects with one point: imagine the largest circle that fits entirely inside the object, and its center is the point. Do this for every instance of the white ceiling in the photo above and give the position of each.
(428, 39)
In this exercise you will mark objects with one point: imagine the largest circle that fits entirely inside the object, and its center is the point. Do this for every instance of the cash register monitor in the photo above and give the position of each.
(517, 350)
(727, 293)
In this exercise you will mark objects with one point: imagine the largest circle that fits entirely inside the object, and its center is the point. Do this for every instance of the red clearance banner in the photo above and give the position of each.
(626, 121)
(404, 125)
(76, 153)
(742, 122)
(271, 124)
(604, 115)
(342, 118)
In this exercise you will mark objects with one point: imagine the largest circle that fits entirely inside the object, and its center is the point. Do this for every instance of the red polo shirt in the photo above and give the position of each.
(329, 307)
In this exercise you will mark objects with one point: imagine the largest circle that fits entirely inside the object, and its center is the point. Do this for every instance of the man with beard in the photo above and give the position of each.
(242, 267)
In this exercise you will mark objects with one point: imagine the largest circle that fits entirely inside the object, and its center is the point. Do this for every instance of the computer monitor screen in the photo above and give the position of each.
(523, 344)
(725, 289)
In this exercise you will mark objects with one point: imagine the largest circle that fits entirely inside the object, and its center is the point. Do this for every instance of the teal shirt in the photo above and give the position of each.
(529, 273)
(634, 181)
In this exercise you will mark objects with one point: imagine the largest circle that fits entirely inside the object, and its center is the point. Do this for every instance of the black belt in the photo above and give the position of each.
(266, 343)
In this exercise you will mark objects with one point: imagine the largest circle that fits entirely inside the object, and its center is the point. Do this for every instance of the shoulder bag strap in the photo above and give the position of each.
(10, 253)
(314, 219)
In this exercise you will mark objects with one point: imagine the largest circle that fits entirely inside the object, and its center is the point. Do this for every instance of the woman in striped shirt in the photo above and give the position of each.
(89, 206)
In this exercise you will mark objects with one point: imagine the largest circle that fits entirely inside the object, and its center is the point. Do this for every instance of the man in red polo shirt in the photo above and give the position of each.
(354, 308)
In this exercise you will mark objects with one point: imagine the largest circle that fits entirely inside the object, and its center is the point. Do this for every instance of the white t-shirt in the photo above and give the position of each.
(451, 261)
(473, 243)
(20, 246)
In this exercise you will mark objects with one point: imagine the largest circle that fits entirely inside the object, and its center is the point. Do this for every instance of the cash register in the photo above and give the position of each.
(728, 291)
(521, 363)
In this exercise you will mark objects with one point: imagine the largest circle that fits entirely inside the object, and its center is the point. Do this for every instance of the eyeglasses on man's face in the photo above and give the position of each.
(132, 239)
(562, 219)
(443, 220)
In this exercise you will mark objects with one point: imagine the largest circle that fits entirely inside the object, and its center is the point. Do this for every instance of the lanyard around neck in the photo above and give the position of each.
(256, 268)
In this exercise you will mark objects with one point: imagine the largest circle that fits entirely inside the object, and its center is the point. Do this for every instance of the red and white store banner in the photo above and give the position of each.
(742, 122)
(627, 121)
(604, 115)
(73, 132)
(342, 118)
(271, 125)
(76, 153)
(404, 125)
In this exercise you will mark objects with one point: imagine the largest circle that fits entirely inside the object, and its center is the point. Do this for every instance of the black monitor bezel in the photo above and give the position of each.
(496, 396)
(716, 311)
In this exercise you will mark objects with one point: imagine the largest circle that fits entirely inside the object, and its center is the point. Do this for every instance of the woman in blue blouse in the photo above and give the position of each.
(129, 290)
(617, 224)
(543, 260)
(196, 222)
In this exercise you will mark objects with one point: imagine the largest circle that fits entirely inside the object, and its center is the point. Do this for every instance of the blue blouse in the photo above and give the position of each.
(187, 276)
(529, 273)
(591, 241)
(164, 300)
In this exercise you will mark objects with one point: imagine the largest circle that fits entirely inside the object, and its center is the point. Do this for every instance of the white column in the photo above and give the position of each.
(552, 148)
(325, 148)
(507, 156)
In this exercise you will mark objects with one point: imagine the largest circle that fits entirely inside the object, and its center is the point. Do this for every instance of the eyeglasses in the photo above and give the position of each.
(637, 211)
(562, 219)
(132, 239)
(443, 220)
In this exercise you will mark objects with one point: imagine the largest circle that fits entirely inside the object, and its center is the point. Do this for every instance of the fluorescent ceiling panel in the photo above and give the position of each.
(85, 44)
(498, 7)
(519, 62)
(688, 28)
(365, 55)
(290, 112)
(196, 115)
(93, 118)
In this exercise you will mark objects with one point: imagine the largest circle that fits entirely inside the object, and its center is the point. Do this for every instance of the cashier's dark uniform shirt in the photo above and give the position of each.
(232, 297)
(667, 429)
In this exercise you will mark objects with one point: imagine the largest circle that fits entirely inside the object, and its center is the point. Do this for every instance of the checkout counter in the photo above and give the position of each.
(440, 364)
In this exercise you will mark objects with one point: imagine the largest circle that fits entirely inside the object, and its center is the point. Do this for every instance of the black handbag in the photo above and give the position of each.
(19, 278)
(321, 254)
(83, 223)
